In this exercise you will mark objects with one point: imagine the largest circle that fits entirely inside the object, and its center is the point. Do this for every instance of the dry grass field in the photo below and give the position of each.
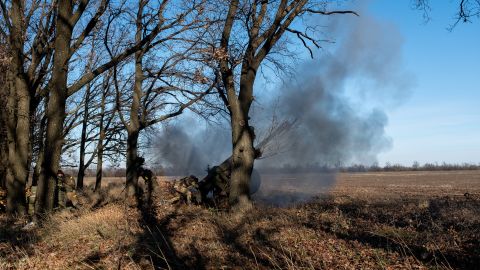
(394, 220)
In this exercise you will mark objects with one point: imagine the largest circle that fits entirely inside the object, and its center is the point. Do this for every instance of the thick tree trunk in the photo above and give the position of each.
(19, 121)
(19, 160)
(4, 114)
(243, 158)
(132, 164)
(243, 154)
(15, 178)
(56, 110)
(134, 127)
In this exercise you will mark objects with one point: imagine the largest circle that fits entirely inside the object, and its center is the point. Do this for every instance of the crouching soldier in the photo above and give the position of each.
(187, 190)
(66, 190)
(149, 179)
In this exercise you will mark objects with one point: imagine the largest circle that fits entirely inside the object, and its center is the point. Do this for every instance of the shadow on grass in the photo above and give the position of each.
(439, 231)
(14, 241)
(155, 245)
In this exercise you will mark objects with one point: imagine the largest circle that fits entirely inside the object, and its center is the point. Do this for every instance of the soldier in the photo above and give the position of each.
(187, 189)
(61, 197)
(66, 190)
(149, 179)
(216, 184)
(31, 193)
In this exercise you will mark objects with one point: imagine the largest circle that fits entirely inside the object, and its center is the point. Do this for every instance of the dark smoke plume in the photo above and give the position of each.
(337, 102)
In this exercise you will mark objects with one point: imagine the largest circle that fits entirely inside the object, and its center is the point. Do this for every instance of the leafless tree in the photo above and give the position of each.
(28, 29)
(250, 33)
(165, 81)
(72, 27)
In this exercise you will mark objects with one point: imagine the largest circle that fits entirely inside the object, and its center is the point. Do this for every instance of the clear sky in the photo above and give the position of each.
(424, 77)
(440, 119)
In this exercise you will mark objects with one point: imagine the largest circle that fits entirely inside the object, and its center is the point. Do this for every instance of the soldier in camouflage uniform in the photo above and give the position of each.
(66, 190)
(31, 194)
(187, 190)
(215, 187)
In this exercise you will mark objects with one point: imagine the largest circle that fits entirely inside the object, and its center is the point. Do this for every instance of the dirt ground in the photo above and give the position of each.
(394, 220)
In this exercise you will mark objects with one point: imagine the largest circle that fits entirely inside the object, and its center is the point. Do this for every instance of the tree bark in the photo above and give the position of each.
(22, 147)
(41, 149)
(99, 173)
(4, 114)
(19, 122)
(134, 128)
(132, 164)
(56, 110)
(243, 155)
(83, 139)
(101, 138)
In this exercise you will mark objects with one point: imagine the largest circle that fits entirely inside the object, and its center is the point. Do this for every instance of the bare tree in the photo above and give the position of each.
(106, 133)
(250, 32)
(67, 19)
(28, 31)
(159, 91)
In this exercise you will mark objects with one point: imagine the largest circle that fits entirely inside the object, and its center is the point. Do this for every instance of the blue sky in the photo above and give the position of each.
(422, 76)
(440, 119)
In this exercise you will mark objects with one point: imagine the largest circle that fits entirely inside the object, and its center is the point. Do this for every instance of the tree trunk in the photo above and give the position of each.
(22, 148)
(56, 110)
(19, 126)
(83, 139)
(4, 114)
(134, 126)
(41, 149)
(98, 179)
(101, 138)
(243, 157)
(15, 178)
(31, 142)
(132, 163)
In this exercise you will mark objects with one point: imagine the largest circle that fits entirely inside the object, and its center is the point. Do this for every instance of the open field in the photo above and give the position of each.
(394, 220)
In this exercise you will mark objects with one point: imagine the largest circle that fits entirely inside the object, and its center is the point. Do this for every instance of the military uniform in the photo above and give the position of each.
(188, 190)
(66, 190)
(149, 179)
(31, 195)
(216, 184)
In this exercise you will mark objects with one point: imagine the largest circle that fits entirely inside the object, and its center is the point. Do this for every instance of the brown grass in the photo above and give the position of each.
(367, 221)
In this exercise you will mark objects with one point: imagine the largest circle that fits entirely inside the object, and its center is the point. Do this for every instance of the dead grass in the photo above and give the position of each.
(351, 229)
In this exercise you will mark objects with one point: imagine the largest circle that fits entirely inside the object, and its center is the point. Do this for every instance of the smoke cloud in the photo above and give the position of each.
(337, 100)
(186, 148)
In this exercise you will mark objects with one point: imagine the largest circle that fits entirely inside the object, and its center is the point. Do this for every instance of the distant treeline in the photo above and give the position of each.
(389, 167)
(308, 168)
